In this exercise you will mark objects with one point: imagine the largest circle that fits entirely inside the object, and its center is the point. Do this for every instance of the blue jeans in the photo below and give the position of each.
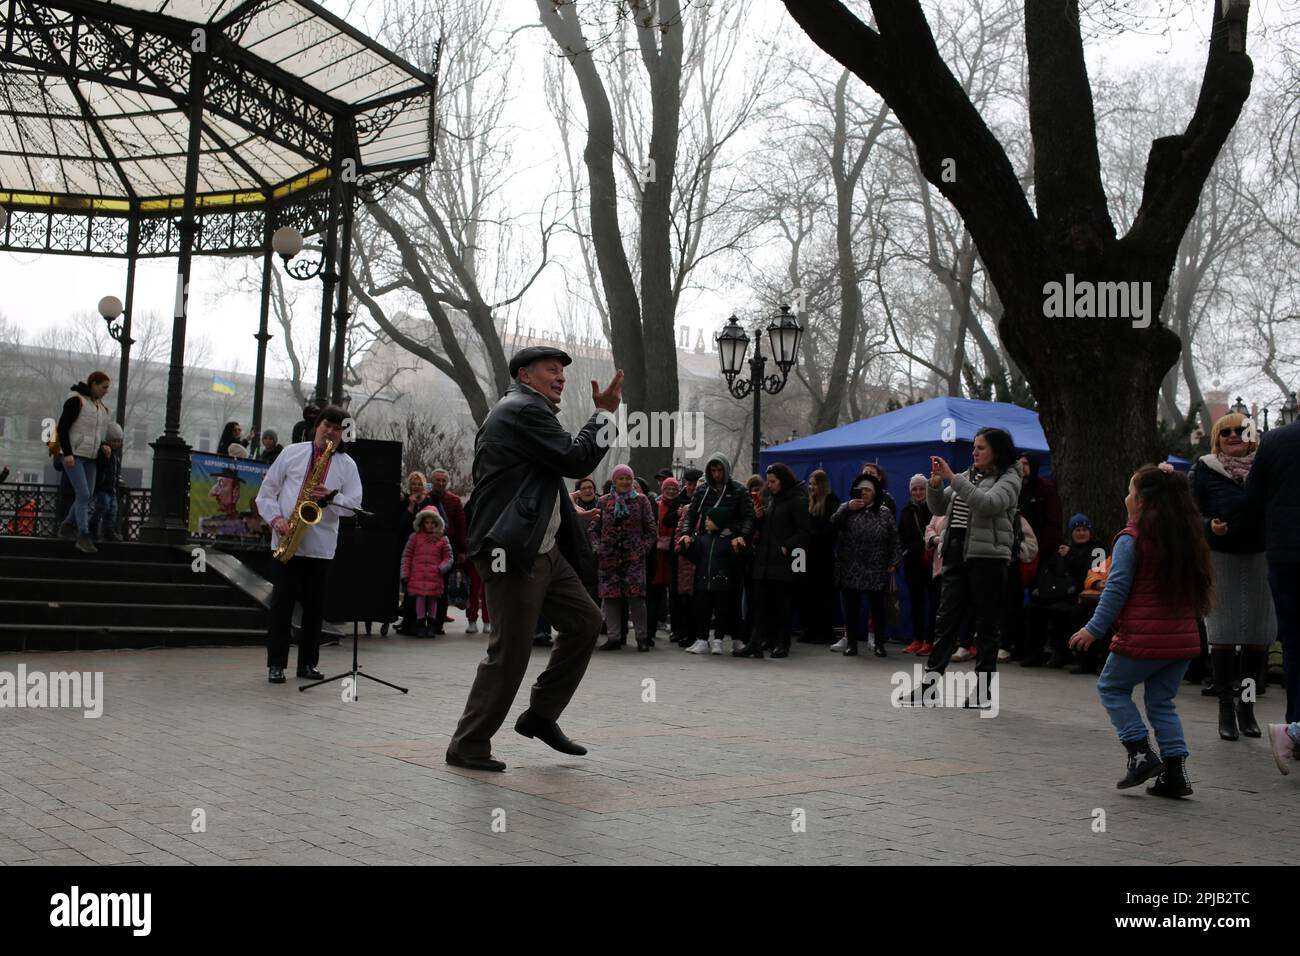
(82, 476)
(104, 516)
(1160, 680)
(1284, 581)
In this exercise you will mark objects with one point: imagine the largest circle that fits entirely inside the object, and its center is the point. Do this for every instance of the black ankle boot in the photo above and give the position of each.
(1252, 661)
(1223, 661)
(1173, 781)
(1143, 763)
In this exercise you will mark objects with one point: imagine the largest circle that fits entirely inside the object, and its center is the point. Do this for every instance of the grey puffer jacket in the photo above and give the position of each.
(992, 505)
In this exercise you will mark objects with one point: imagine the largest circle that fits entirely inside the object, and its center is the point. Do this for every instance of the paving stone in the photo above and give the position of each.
(714, 772)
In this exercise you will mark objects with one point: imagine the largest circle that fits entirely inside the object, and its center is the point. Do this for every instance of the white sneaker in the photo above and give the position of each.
(487, 628)
(737, 645)
(471, 628)
(962, 655)
(839, 645)
(701, 646)
(715, 646)
(1004, 655)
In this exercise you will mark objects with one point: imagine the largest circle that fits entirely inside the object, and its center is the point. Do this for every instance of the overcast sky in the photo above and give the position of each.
(44, 290)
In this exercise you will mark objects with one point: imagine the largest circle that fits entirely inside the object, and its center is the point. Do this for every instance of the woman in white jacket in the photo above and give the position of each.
(83, 431)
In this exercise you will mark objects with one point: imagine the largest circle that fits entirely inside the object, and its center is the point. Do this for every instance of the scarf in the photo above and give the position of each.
(620, 502)
(1237, 467)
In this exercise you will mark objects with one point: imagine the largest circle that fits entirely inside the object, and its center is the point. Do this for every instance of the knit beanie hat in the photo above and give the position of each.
(621, 471)
(1080, 519)
(672, 483)
(917, 479)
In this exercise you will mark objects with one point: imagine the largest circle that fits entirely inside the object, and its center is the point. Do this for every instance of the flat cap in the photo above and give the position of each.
(533, 353)
(664, 473)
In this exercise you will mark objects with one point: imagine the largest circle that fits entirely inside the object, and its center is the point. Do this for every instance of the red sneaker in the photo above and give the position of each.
(913, 648)
(925, 649)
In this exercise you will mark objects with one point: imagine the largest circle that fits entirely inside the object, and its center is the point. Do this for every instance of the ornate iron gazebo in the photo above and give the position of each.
(155, 128)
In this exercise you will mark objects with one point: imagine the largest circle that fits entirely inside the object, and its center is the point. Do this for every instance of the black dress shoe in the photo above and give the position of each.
(880, 650)
(475, 763)
(548, 732)
(310, 673)
(613, 644)
(275, 675)
(542, 640)
(780, 651)
(851, 651)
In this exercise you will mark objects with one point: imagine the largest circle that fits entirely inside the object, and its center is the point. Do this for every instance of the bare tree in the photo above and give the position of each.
(1067, 361)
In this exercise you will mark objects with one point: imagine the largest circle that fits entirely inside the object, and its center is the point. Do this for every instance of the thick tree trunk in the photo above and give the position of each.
(1096, 379)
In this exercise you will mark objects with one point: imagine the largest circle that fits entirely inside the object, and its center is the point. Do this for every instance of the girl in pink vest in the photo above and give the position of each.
(1160, 582)
(426, 558)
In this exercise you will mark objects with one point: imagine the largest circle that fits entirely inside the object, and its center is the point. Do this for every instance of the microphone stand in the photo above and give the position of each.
(356, 671)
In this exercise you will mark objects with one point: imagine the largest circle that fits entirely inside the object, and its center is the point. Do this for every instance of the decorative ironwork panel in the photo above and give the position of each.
(155, 236)
(29, 510)
(135, 512)
(68, 233)
(28, 230)
(109, 235)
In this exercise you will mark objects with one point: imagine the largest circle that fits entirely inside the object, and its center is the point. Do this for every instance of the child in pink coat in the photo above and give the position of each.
(426, 558)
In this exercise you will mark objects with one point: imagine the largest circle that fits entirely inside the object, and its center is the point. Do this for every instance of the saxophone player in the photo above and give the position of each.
(302, 578)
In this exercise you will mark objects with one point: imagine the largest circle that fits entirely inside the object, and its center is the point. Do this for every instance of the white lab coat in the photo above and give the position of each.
(280, 489)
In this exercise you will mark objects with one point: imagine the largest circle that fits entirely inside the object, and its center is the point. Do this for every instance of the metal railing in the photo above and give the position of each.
(36, 510)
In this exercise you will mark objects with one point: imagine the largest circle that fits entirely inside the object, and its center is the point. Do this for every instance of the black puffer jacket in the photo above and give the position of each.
(521, 457)
(786, 526)
(730, 495)
(1218, 496)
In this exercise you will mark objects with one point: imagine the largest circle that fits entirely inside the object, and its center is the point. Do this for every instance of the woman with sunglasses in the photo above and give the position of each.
(1243, 607)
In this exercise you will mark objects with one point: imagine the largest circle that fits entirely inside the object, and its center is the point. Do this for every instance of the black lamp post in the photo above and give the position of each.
(679, 468)
(783, 333)
(110, 307)
(287, 243)
(1288, 412)
(1239, 408)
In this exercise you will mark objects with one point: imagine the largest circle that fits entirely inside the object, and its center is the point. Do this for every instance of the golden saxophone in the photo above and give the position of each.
(306, 512)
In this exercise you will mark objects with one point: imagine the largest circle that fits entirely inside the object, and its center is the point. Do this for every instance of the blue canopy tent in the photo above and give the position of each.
(901, 442)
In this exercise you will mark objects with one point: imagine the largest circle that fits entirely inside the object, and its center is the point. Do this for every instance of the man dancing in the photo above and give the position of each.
(525, 541)
(302, 578)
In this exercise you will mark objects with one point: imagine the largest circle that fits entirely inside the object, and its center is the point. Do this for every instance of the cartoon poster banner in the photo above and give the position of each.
(222, 493)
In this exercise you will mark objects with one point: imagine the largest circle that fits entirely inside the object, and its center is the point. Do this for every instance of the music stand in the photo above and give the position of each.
(358, 515)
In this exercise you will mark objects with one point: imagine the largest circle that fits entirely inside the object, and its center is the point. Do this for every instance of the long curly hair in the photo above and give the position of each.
(1170, 532)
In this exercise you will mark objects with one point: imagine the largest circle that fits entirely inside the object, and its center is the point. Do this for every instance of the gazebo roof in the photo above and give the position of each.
(94, 117)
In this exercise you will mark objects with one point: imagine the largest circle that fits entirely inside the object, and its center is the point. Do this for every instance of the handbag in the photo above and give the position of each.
(458, 588)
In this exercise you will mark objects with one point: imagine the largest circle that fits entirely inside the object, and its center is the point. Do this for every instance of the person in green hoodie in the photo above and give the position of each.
(718, 490)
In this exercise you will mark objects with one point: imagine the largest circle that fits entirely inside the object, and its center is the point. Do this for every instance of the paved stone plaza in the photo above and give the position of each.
(712, 771)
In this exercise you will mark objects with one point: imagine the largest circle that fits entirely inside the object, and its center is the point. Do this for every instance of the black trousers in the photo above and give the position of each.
(707, 606)
(975, 586)
(816, 603)
(769, 608)
(302, 580)
(853, 629)
(681, 614)
(1013, 610)
(922, 595)
(656, 604)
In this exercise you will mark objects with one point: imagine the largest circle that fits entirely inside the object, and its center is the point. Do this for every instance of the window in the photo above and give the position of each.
(29, 477)
(205, 440)
(139, 438)
(2, 426)
(35, 425)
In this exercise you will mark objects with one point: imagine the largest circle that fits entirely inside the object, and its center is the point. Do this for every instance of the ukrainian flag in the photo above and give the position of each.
(222, 386)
